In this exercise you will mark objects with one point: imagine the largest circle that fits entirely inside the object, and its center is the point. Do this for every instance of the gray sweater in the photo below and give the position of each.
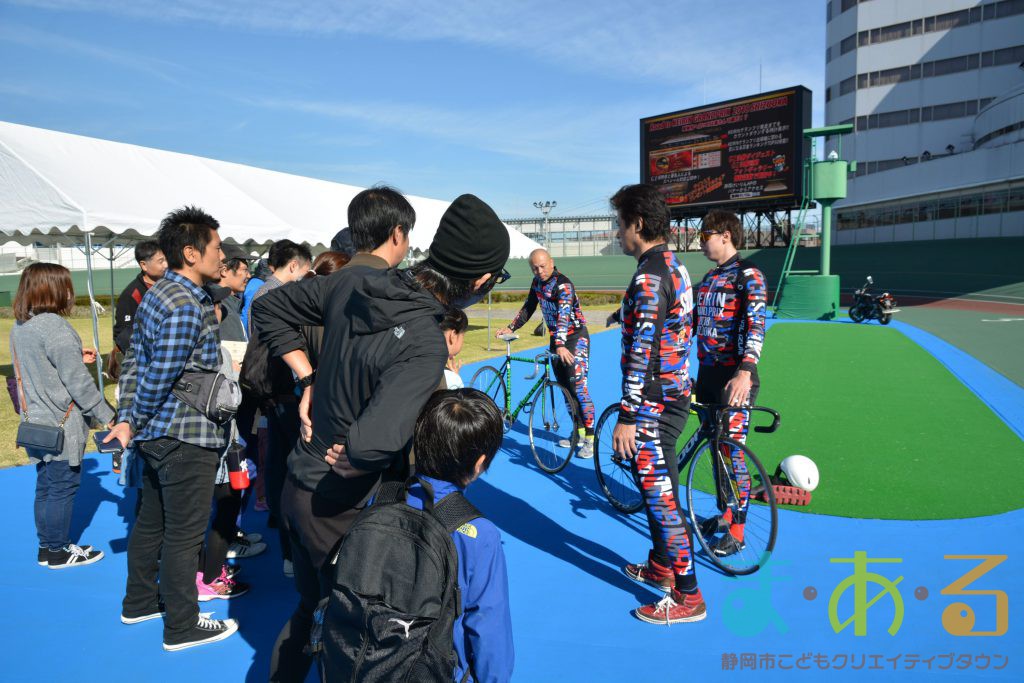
(53, 376)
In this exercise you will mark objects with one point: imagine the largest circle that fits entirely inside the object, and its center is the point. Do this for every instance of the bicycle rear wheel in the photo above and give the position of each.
(553, 434)
(711, 491)
(615, 475)
(488, 380)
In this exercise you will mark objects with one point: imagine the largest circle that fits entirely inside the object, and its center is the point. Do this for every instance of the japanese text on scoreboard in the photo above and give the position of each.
(746, 153)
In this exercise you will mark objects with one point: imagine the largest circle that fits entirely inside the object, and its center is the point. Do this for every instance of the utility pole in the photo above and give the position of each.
(545, 208)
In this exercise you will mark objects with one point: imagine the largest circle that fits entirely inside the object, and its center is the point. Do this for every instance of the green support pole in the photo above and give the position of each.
(826, 238)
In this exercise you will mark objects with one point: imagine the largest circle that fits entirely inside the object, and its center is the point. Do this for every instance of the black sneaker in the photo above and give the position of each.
(153, 613)
(72, 555)
(44, 554)
(727, 545)
(712, 525)
(205, 631)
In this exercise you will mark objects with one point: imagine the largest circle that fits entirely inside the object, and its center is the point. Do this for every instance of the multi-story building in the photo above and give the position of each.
(935, 91)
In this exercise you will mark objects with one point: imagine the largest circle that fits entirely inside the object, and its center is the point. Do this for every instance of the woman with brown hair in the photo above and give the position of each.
(55, 389)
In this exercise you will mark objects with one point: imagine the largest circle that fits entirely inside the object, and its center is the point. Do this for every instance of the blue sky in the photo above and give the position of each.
(513, 101)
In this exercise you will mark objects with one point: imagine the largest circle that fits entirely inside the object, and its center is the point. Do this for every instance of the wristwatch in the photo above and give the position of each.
(307, 381)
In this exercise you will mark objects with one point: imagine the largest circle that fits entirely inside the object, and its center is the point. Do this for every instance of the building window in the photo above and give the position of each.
(1009, 55)
(993, 202)
(862, 81)
(847, 4)
(894, 118)
(828, 94)
(926, 113)
(944, 22)
(894, 32)
(888, 76)
(948, 111)
(914, 115)
(828, 11)
(975, 15)
(970, 107)
(828, 55)
(863, 38)
(972, 61)
(862, 123)
(950, 66)
(848, 44)
(847, 86)
(987, 59)
(1008, 8)
(946, 209)
(990, 10)
(985, 101)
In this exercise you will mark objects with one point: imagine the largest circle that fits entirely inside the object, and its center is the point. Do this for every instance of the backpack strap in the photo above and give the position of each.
(390, 493)
(454, 510)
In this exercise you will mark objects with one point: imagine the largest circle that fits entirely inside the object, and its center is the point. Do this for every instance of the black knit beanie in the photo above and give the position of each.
(470, 241)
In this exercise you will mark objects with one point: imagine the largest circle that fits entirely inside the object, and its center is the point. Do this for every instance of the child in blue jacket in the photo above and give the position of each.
(457, 435)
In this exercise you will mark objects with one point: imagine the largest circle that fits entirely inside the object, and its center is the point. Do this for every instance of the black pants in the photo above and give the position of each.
(283, 431)
(227, 503)
(315, 527)
(177, 487)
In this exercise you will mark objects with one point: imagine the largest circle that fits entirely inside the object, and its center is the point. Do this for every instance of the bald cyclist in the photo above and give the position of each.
(570, 340)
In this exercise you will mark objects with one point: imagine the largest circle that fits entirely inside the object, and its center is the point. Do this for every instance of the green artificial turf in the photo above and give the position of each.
(894, 434)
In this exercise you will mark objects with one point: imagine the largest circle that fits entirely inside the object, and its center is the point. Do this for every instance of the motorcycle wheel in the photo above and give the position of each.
(886, 317)
(856, 314)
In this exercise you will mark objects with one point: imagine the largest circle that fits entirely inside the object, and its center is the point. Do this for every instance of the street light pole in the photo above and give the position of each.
(545, 208)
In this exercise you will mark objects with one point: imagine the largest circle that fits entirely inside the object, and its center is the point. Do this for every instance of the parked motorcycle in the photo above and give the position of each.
(867, 306)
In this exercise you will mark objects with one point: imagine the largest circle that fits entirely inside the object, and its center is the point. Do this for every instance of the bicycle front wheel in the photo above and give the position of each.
(716, 486)
(615, 475)
(553, 434)
(488, 380)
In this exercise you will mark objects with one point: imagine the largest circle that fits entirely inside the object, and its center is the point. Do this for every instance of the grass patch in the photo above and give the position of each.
(894, 434)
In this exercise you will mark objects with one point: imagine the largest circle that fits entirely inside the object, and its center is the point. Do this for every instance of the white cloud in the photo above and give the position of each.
(13, 34)
(555, 137)
(678, 43)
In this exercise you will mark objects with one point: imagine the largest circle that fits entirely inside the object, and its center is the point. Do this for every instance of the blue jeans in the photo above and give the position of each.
(56, 486)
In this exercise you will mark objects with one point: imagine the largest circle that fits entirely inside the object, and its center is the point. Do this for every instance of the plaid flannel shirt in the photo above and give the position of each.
(175, 330)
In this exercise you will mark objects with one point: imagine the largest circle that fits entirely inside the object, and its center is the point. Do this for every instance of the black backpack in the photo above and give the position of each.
(395, 597)
(264, 376)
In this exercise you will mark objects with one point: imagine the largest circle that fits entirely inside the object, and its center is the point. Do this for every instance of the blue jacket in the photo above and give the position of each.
(248, 295)
(484, 631)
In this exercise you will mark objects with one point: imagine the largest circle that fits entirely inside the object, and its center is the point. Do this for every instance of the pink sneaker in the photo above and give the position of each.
(222, 587)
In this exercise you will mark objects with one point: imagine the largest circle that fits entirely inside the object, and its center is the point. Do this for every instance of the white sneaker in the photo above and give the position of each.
(586, 450)
(242, 549)
(288, 568)
(564, 443)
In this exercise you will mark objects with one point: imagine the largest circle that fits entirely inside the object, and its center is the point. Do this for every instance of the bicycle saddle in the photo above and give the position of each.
(508, 337)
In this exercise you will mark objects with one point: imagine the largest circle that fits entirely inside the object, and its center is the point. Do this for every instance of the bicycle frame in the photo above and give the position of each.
(505, 371)
(712, 423)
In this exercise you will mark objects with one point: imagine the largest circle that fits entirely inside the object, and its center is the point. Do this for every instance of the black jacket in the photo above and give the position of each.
(383, 355)
(124, 313)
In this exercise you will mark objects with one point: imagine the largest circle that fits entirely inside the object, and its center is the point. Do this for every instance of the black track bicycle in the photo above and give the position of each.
(712, 485)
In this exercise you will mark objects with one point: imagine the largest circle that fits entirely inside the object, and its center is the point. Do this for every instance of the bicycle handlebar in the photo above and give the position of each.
(544, 357)
(721, 412)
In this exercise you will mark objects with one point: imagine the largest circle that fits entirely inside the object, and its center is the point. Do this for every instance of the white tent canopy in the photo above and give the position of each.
(56, 187)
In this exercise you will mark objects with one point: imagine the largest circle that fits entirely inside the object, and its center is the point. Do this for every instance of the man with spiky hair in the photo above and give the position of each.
(175, 331)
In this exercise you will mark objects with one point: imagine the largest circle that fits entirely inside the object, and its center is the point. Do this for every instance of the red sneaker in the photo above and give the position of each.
(674, 608)
(651, 573)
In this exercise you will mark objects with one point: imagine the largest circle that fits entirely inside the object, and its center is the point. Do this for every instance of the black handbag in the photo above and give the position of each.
(46, 438)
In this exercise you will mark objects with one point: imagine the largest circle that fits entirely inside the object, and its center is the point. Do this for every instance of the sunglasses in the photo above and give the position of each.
(706, 235)
(494, 280)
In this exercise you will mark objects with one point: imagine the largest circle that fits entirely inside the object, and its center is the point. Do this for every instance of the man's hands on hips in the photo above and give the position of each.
(339, 462)
(305, 420)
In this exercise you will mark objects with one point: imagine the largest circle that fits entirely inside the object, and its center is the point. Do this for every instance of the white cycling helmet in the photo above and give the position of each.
(801, 472)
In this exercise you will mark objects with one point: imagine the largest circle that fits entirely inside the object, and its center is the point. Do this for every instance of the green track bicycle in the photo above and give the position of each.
(553, 420)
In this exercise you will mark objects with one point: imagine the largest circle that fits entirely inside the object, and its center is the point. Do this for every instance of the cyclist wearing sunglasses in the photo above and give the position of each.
(656, 330)
(570, 339)
(729, 314)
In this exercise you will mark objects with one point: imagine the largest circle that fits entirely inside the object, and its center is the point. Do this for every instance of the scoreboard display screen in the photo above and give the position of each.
(743, 154)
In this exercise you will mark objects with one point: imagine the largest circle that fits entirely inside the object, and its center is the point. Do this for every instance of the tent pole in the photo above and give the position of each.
(92, 308)
(113, 299)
